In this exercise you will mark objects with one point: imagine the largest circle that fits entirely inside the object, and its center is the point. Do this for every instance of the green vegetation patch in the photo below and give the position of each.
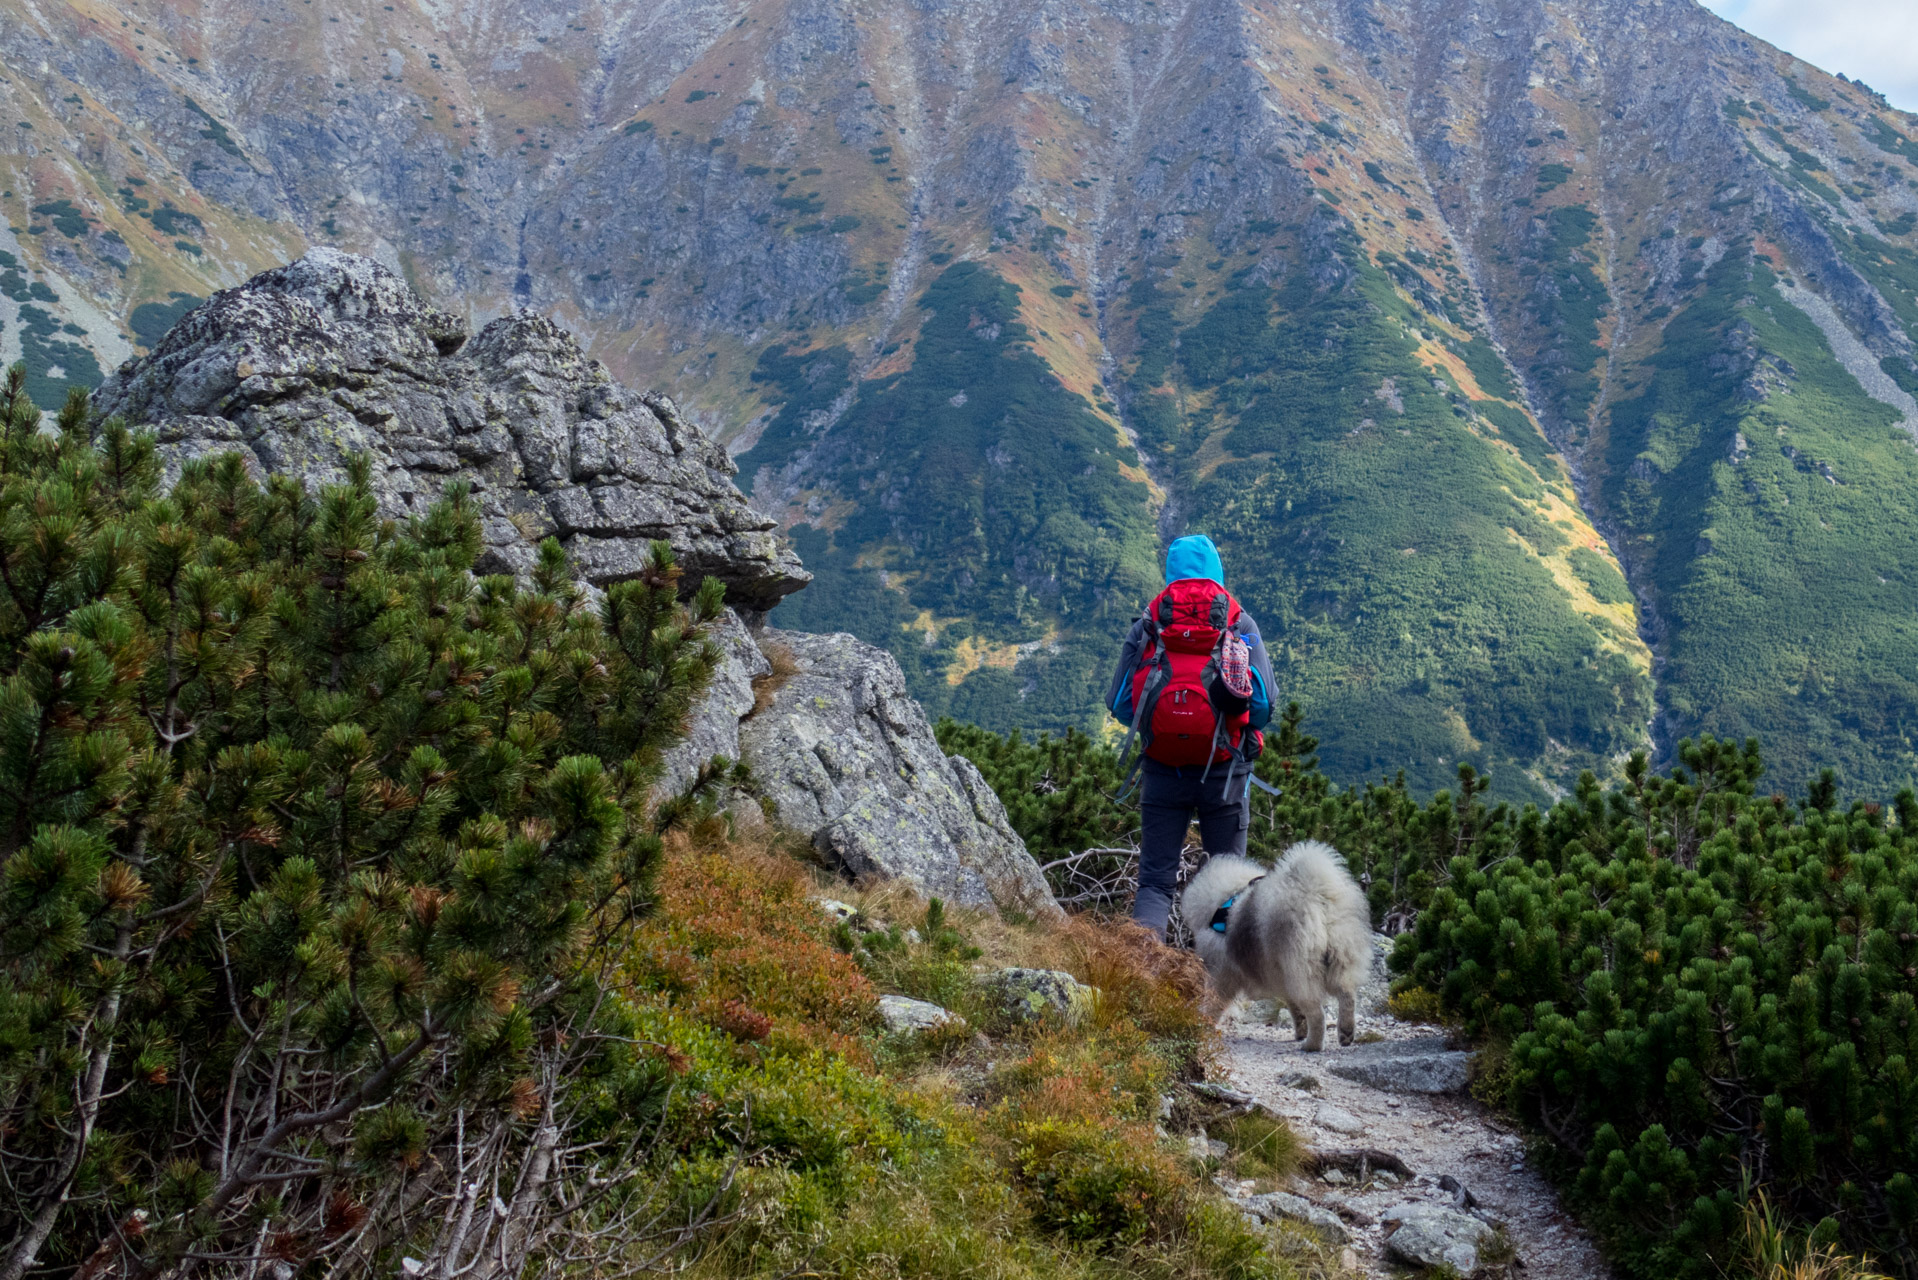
(1488, 368)
(809, 203)
(1551, 176)
(860, 287)
(150, 321)
(1600, 577)
(1806, 97)
(1516, 428)
(169, 221)
(986, 493)
(66, 219)
(55, 365)
(1569, 312)
(215, 132)
(1889, 140)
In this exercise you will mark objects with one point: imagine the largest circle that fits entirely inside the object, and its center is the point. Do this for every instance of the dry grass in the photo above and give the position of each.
(784, 667)
(1262, 1146)
(1140, 979)
(1775, 1253)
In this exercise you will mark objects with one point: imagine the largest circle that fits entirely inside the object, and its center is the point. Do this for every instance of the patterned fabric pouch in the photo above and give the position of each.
(1235, 665)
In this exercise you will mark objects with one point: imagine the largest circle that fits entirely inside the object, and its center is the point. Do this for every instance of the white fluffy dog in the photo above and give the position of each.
(1301, 933)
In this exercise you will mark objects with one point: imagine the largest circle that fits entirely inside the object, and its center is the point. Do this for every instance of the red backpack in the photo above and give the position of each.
(1181, 710)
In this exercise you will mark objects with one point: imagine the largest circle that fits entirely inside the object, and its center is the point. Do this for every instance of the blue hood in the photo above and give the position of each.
(1193, 557)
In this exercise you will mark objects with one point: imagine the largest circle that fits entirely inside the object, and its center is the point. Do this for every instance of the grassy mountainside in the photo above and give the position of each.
(1771, 500)
(1199, 245)
(1357, 486)
(998, 505)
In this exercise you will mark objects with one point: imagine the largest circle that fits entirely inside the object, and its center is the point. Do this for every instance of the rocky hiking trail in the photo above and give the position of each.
(1398, 1097)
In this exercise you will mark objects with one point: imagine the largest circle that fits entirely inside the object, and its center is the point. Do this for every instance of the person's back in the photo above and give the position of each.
(1194, 685)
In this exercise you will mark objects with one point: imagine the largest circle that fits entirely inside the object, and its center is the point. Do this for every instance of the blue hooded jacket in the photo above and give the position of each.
(1193, 556)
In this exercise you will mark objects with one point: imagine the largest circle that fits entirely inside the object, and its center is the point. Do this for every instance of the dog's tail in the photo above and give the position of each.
(1315, 869)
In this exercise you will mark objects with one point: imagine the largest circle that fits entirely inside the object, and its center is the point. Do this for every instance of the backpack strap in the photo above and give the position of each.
(1218, 728)
(1219, 617)
(1143, 706)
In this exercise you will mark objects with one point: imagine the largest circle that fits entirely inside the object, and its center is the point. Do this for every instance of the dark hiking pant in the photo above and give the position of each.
(1168, 800)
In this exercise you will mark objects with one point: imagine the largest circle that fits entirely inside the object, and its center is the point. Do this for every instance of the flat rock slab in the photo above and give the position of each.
(1404, 1066)
(1283, 1206)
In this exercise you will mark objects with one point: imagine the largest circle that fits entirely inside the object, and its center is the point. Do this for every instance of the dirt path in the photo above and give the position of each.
(1435, 1134)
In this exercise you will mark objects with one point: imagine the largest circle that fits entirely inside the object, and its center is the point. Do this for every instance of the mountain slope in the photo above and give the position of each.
(1437, 315)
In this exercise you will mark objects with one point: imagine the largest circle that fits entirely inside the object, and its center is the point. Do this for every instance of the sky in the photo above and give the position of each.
(1871, 40)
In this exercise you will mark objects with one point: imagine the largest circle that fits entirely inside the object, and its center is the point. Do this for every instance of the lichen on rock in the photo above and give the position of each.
(1029, 995)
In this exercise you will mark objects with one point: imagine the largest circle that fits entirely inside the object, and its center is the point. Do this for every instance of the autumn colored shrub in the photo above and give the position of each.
(865, 1153)
(739, 943)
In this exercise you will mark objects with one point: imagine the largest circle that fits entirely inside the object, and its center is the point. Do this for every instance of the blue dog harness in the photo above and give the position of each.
(1218, 917)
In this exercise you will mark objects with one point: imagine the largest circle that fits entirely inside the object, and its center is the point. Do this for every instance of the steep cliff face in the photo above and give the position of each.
(1437, 315)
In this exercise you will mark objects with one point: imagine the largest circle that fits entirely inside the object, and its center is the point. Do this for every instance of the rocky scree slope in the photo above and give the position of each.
(1545, 369)
(333, 356)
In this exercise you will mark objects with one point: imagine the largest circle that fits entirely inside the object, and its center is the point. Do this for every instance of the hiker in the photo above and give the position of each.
(1195, 686)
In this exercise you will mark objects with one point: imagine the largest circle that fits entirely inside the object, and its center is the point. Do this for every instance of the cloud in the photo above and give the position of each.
(1875, 41)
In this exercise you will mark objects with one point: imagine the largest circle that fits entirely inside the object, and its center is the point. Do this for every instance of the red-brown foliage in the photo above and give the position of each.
(739, 943)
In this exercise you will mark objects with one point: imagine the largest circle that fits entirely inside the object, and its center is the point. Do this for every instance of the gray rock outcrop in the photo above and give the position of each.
(713, 729)
(1028, 995)
(333, 355)
(1430, 1236)
(848, 756)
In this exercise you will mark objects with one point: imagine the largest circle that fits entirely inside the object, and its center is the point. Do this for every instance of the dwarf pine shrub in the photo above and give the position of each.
(314, 846)
(1700, 985)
